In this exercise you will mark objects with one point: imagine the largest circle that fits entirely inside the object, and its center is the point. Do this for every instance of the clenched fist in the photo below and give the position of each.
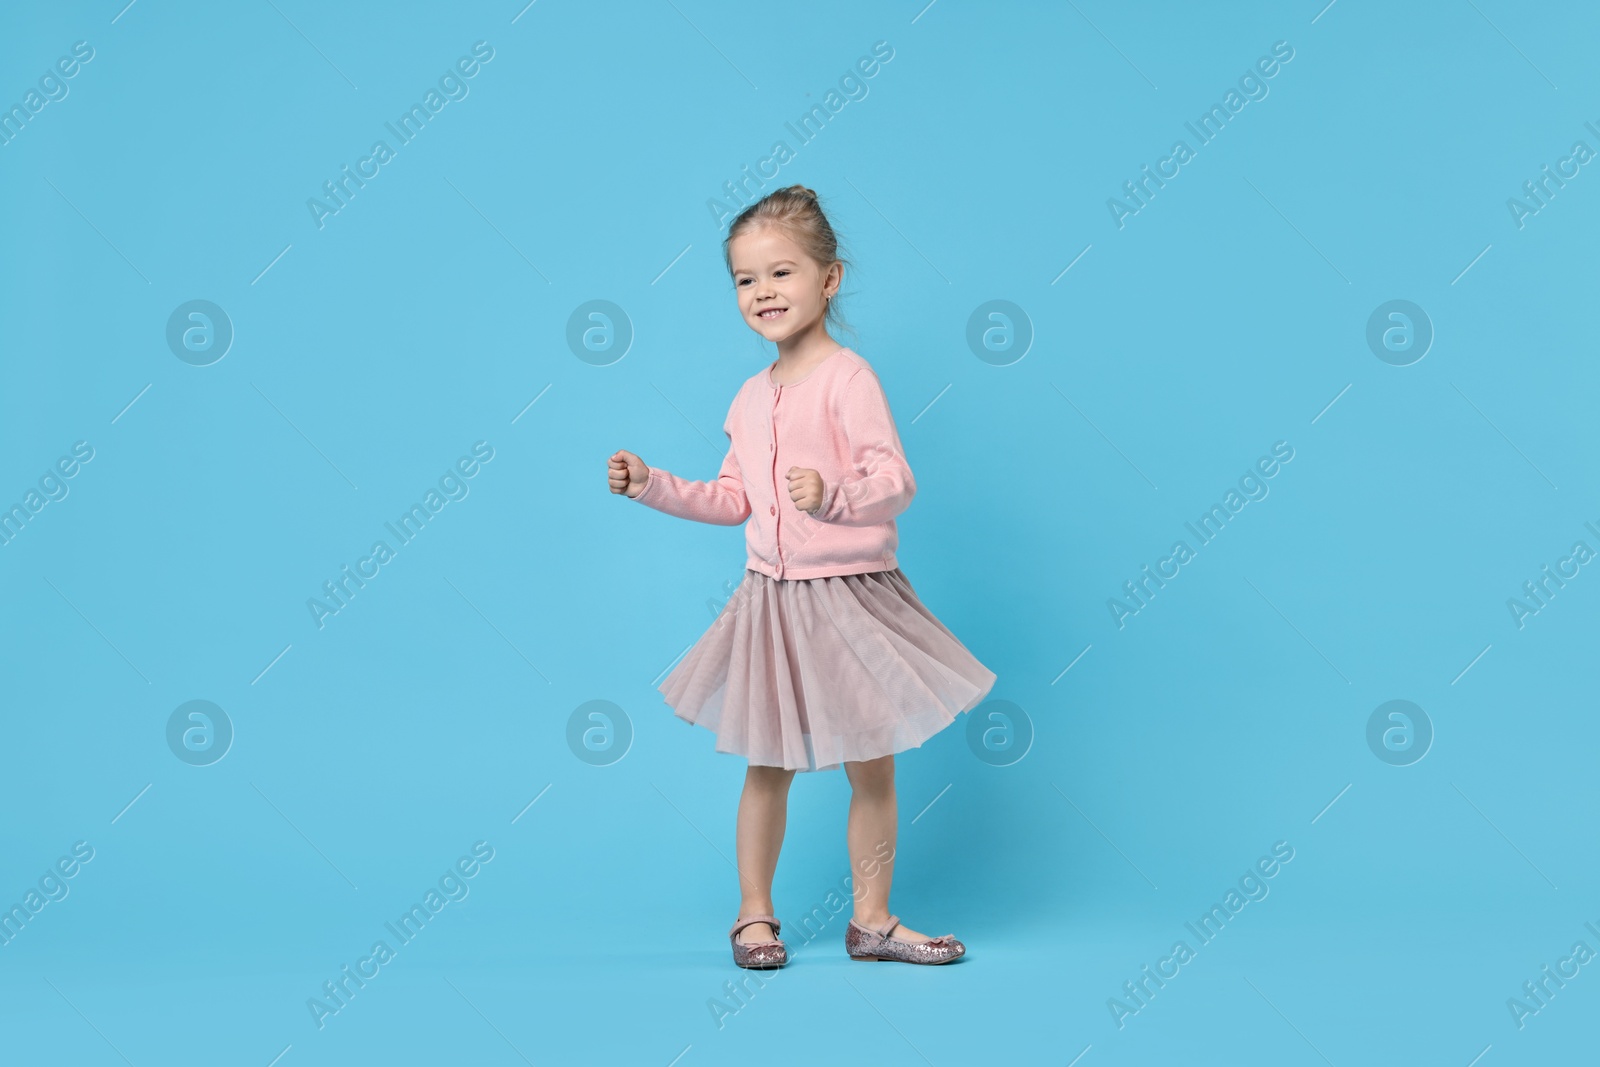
(805, 489)
(628, 473)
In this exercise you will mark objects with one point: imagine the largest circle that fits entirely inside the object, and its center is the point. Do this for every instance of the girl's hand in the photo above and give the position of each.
(628, 473)
(805, 488)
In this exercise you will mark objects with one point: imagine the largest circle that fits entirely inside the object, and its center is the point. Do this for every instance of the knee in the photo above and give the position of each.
(872, 776)
(769, 779)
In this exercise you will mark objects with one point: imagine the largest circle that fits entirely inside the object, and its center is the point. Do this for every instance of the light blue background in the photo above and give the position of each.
(1228, 314)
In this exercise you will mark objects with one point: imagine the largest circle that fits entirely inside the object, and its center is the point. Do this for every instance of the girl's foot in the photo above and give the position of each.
(902, 932)
(888, 940)
(758, 951)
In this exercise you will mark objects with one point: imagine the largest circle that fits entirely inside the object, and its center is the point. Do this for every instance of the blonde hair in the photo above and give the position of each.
(795, 211)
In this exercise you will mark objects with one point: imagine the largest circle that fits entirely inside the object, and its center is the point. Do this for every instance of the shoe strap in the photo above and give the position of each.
(889, 924)
(740, 924)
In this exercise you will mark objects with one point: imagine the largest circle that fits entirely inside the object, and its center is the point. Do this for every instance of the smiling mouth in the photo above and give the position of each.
(771, 313)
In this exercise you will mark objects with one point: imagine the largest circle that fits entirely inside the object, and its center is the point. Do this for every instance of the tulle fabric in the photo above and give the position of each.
(809, 673)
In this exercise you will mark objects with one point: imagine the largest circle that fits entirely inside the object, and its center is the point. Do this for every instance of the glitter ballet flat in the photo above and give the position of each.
(758, 955)
(876, 944)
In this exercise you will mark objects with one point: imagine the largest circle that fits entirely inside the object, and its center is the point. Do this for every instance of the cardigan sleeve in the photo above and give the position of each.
(880, 485)
(721, 501)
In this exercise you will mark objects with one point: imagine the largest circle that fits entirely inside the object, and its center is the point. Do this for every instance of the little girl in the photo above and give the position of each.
(824, 655)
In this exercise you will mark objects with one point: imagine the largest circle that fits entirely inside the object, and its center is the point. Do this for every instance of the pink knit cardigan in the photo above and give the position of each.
(835, 421)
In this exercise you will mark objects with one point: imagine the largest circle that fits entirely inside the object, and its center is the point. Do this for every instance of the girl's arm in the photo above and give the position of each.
(721, 502)
(880, 486)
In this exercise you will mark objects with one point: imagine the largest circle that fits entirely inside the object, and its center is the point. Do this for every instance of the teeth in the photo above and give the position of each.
(773, 313)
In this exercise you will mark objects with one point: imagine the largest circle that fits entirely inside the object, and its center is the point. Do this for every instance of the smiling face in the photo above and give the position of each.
(782, 291)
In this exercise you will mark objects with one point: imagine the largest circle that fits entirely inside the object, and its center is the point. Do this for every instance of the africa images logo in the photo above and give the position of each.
(453, 485)
(452, 86)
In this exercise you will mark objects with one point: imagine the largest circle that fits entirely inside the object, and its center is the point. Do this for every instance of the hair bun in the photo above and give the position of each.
(800, 190)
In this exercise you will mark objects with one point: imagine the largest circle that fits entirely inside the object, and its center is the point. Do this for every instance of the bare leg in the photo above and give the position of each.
(763, 814)
(873, 820)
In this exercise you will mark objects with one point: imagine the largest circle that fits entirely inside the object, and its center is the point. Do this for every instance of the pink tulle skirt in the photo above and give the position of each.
(809, 673)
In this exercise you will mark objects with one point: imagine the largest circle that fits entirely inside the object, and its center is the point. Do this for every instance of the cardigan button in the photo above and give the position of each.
(773, 509)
